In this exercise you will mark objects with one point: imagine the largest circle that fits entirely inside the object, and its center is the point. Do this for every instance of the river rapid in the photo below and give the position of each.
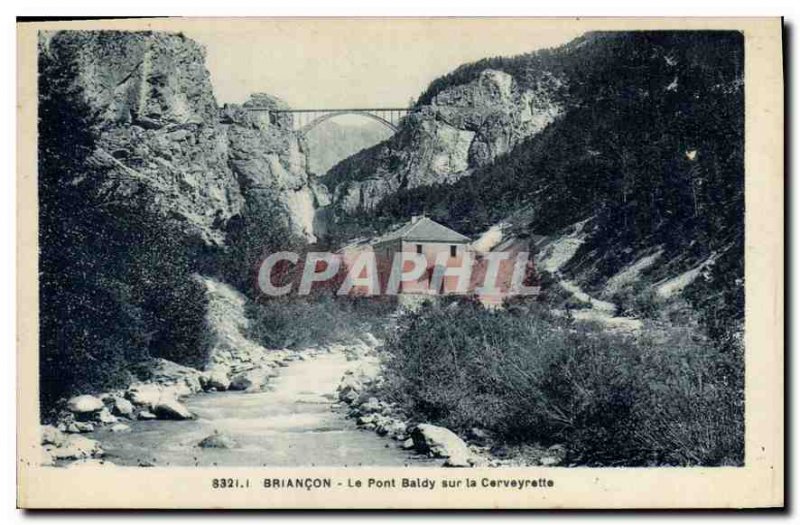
(296, 422)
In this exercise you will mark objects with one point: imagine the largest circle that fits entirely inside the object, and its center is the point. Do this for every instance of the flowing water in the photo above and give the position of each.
(296, 423)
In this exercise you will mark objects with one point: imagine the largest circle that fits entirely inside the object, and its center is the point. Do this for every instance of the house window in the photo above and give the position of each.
(419, 248)
(452, 250)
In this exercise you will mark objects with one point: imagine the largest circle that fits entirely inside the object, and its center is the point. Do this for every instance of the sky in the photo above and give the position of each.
(339, 63)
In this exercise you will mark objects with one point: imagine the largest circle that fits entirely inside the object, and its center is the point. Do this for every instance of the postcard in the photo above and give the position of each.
(437, 263)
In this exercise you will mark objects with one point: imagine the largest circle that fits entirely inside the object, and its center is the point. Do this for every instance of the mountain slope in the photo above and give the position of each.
(647, 147)
(466, 127)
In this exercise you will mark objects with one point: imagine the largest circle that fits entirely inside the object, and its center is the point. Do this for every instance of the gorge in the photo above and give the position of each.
(616, 158)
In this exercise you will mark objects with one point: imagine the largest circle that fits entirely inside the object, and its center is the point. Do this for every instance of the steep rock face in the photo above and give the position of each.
(163, 144)
(465, 127)
(155, 122)
(269, 162)
(143, 182)
(497, 111)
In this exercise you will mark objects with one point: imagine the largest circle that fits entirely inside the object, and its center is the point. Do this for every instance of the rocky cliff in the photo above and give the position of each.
(270, 164)
(464, 127)
(146, 102)
(163, 144)
(143, 182)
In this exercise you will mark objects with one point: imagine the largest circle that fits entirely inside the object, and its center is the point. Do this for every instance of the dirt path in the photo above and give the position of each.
(599, 311)
(296, 423)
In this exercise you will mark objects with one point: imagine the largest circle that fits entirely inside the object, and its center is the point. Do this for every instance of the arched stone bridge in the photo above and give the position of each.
(303, 120)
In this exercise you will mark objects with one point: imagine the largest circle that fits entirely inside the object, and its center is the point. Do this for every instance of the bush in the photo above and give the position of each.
(531, 378)
(551, 290)
(113, 294)
(297, 322)
(638, 299)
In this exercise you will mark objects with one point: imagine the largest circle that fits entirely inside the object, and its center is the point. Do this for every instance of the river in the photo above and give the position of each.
(296, 423)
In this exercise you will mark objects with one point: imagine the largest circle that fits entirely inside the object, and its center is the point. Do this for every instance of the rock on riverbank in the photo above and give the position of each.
(158, 394)
(358, 389)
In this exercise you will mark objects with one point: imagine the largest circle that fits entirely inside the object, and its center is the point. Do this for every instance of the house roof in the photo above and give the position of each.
(424, 229)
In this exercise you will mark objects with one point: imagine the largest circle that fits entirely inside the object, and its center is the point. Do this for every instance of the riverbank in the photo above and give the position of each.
(295, 420)
(362, 391)
(562, 391)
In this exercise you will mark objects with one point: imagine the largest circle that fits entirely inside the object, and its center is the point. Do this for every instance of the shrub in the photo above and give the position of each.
(638, 299)
(295, 322)
(114, 295)
(553, 293)
(531, 378)
(576, 304)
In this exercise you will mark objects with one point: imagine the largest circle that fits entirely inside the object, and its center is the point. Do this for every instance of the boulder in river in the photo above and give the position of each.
(146, 415)
(80, 427)
(439, 442)
(249, 381)
(394, 428)
(77, 447)
(349, 396)
(217, 440)
(144, 394)
(371, 406)
(121, 407)
(104, 417)
(350, 389)
(120, 427)
(171, 409)
(177, 390)
(366, 419)
(167, 372)
(85, 405)
(52, 436)
(217, 377)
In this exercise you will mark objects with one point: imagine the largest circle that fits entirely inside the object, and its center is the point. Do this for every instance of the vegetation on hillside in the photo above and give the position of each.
(649, 151)
(300, 322)
(661, 398)
(650, 144)
(115, 283)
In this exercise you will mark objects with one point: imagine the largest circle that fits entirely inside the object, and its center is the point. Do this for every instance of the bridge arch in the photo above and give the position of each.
(301, 121)
(304, 129)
